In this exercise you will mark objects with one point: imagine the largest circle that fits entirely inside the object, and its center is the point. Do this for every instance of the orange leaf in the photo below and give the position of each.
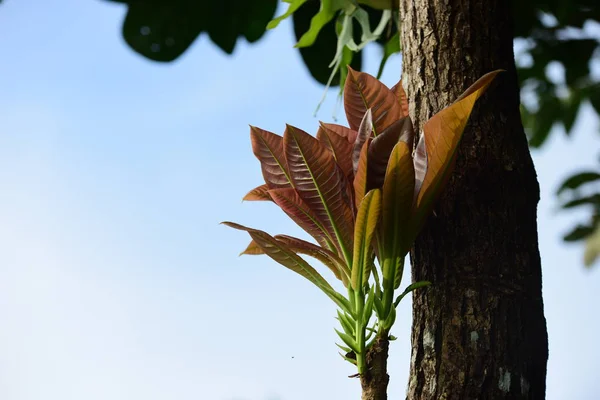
(363, 91)
(442, 136)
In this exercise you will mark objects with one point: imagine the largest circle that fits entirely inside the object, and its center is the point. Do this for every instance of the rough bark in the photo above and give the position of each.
(375, 381)
(479, 332)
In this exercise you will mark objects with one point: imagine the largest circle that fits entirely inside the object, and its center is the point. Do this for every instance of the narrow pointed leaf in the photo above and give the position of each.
(398, 193)
(577, 180)
(259, 193)
(281, 253)
(292, 204)
(368, 310)
(348, 328)
(268, 148)
(378, 305)
(391, 318)
(340, 141)
(327, 257)
(363, 91)
(364, 134)
(344, 349)
(398, 90)
(360, 178)
(366, 223)
(345, 357)
(322, 185)
(442, 136)
(410, 288)
(381, 149)
(348, 340)
(294, 5)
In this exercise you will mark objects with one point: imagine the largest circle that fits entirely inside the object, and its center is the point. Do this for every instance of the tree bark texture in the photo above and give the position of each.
(375, 381)
(479, 332)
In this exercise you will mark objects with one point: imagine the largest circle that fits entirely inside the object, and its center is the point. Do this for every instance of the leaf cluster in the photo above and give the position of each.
(363, 194)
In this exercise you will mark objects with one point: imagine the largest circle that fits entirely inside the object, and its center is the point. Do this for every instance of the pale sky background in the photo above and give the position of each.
(116, 281)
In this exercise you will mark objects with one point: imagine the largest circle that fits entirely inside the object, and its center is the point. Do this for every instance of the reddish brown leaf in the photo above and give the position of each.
(259, 193)
(268, 148)
(363, 91)
(321, 183)
(281, 253)
(381, 148)
(336, 139)
(292, 204)
(328, 258)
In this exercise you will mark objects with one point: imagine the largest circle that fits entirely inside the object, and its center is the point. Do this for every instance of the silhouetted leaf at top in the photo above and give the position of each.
(574, 181)
(162, 30)
(578, 233)
(318, 56)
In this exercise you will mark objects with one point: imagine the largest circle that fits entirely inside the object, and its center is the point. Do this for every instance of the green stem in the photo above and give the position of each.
(388, 286)
(360, 330)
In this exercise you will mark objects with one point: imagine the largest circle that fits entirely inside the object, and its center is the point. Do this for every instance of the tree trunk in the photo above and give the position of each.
(479, 332)
(374, 381)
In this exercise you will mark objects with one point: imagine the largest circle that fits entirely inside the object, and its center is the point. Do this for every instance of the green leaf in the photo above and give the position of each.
(391, 47)
(368, 310)
(321, 184)
(317, 57)
(409, 289)
(398, 194)
(367, 219)
(378, 305)
(344, 349)
(294, 5)
(581, 178)
(580, 232)
(325, 14)
(587, 200)
(346, 325)
(349, 341)
(389, 321)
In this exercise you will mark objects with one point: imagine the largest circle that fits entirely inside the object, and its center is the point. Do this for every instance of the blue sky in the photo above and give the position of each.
(116, 281)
